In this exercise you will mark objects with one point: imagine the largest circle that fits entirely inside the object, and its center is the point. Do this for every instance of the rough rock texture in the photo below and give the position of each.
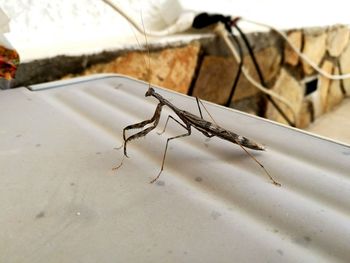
(215, 79)
(290, 56)
(217, 75)
(344, 62)
(314, 48)
(172, 68)
(337, 40)
(269, 60)
(292, 90)
(305, 115)
(335, 94)
(249, 105)
(323, 86)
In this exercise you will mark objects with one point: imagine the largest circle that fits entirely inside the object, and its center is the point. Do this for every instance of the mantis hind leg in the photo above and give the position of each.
(259, 163)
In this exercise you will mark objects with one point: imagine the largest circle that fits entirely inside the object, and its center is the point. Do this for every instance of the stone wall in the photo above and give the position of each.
(205, 68)
(310, 93)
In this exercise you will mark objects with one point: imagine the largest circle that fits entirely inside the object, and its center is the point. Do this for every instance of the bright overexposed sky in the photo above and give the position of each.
(42, 28)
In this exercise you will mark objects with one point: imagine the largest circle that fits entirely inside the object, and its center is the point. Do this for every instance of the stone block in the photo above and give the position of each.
(171, 68)
(323, 87)
(269, 60)
(217, 75)
(215, 79)
(335, 93)
(288, 87)
(330, 91)
(314, 48)
(249, 105)
(337, 40)
(305, 114)
(344, 61)
(290, 56)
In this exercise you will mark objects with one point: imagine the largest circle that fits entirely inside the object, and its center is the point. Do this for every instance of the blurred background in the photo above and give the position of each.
(41, 28)
(296, 57)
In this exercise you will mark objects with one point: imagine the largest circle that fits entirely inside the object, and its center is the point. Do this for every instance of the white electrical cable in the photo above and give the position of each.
(221, 31)
(300, 54)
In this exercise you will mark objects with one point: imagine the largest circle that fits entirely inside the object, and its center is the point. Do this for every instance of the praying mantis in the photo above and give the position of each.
(189, 121)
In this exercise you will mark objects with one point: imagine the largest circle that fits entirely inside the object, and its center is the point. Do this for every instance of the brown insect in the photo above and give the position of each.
(189, 120)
